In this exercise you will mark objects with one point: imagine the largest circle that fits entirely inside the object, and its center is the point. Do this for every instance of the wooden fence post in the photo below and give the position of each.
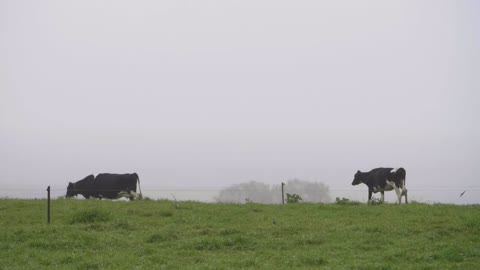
(48, 207)
(283, 198)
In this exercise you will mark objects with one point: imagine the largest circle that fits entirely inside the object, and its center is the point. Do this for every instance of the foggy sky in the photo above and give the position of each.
(205, 94)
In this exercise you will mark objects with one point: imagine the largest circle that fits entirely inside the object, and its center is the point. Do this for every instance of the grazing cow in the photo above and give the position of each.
(106, 185)
(381, 180)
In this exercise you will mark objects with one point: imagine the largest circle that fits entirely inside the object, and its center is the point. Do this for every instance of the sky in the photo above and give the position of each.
(199, 95)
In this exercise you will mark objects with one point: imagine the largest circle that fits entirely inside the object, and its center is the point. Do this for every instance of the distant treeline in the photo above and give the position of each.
(257, 192)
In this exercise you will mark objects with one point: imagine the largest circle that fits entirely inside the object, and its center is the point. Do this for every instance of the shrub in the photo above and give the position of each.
(293, 198)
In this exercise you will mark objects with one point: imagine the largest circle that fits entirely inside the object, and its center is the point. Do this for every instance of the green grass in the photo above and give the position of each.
(93, 234)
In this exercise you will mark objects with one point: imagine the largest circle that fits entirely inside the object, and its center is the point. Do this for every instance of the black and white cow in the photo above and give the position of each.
(106, 185)
(381, 180)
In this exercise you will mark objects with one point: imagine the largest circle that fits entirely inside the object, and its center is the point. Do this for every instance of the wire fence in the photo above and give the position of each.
(345, 188)
(469, 194)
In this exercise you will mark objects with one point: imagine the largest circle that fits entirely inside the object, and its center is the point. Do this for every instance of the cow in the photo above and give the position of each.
(106, 185)
(381, 180)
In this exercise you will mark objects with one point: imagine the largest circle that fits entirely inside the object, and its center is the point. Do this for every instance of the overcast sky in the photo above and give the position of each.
(205, 94)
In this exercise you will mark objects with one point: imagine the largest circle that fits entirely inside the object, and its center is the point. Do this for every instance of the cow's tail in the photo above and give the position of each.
(139, 189)
(403, 176)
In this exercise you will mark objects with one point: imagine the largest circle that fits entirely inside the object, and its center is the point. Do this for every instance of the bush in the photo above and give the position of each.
(293, 198)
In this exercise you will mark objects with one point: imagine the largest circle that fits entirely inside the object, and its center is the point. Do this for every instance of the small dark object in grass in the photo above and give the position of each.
(345, 201)
(293, 198)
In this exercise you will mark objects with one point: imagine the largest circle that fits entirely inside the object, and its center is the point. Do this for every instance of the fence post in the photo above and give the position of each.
(283, 198)
(48, 207)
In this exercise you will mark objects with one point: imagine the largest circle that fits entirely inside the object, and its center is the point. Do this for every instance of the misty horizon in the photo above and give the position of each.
(207, 94)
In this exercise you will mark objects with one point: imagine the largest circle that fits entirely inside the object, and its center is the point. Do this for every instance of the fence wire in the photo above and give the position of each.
(466, 188)
(469, 194)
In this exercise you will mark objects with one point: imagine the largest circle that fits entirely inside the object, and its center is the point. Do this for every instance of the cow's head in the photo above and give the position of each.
(357, 179)
(71, 190)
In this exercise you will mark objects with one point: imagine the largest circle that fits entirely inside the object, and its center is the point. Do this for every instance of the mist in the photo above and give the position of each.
(196, 96)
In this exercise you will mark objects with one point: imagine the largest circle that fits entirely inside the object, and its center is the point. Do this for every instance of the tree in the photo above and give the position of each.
(308, 191)
(262, 193)
(247, 192)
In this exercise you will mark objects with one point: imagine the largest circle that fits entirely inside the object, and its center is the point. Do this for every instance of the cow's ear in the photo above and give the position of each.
(358, 171)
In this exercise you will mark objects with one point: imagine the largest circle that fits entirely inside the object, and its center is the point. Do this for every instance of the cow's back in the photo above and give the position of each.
(109, 185)
(377, 177)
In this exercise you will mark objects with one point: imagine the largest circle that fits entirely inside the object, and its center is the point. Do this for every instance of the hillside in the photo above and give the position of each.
(93, 234)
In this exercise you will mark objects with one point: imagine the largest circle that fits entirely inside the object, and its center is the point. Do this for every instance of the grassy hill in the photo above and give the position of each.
(93, 234)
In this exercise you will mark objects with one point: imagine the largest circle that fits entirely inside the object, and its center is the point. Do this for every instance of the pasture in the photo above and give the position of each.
(93, 234)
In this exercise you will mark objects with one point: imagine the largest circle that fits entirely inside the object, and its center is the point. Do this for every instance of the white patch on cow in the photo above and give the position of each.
(390, 184)
(129, 195)
(379, 188)
(135, 195)
(122, 194)
(388, 188)
(394, 170)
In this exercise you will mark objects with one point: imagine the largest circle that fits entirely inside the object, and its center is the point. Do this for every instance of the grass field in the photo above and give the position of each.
(93, 234)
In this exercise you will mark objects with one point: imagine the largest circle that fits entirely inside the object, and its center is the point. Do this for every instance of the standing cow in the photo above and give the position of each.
(106, 185)
(381, 180)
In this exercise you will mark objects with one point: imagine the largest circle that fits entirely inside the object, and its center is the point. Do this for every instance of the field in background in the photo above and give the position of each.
(93, 234)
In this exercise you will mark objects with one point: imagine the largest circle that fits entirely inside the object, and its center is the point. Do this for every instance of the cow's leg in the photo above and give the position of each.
(405, 194)
(404, 191)
(383, 196)
(369, 195)
(134, 195)
(399, 194)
